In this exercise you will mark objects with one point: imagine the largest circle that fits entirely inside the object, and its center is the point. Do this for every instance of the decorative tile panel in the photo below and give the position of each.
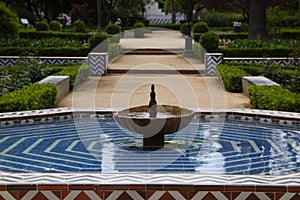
(13, 60)
(211, 62)
(98, 63)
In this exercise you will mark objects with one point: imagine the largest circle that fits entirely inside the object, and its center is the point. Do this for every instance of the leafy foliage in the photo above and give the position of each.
(77, 73)
(273, 98)
(231, 77)
(31, 97)
(276, 43)
(41, 43)
(55, 26)
(210, 42)
(82, 12)
(200, 27)
(41, 26)
(79, 26)
(27, 71)
(113, 29)
(9, 23)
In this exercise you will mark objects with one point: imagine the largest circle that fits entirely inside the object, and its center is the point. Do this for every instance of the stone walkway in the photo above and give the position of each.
(178, 79)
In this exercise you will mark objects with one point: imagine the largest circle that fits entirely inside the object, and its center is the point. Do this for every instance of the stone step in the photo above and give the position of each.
(150, 51)
(157, 71)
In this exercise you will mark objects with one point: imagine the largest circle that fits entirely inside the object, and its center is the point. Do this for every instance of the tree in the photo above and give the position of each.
(257, 20)
(9, 23)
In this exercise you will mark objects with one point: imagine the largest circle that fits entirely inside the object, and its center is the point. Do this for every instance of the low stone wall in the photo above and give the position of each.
(62, 85)
(213, 59)
(256, 80)
(13, 60)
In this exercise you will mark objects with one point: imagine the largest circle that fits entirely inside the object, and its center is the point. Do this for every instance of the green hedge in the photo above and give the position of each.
(223, 36)
(256, 52)
(287, 76)
(31, 97)
(97, 39)
(231, 77)
(273, 98)
(50, 34)
(293, 34)
(53, 51)
(77, 73)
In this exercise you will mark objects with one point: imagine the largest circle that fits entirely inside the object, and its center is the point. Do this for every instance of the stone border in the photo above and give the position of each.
(148, 186)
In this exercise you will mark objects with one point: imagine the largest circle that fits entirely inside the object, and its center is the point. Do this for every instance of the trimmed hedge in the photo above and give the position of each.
(49, 34)
(77, 73)
(31, 97)
(52, 51)
(231, 77)
(273, 98)
(256, 52)
(97, 39)
(41, 26)
(287, 76)
(210, 42)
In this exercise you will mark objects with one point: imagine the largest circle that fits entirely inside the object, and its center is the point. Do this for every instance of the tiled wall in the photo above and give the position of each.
(149, 192)
(213, 59)
(13, 60)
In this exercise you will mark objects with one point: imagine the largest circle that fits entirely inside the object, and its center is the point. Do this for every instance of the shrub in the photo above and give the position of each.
(200, 27)
(77, 73)
(9, 23)
(184, 29)
(231, 77)
(273, 98)
(62, 35)
(210, 42)
(25, 72)
(101, 40)
(51, 51)
(255, 52)
(220, 19)
(113, 29)
(79, 26)
(55, 26)
(139, 29)
(41, 26)
(31, 97)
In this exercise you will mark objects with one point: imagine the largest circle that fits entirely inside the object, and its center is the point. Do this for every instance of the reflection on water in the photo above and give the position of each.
(214, 148)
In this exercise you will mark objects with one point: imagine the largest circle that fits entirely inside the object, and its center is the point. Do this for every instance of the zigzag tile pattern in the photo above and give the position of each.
(98, 64)
(212, 60)
(13, 60)
(275, 61)
(145, 195)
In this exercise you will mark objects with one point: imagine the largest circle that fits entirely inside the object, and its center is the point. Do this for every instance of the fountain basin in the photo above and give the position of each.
(169, 119)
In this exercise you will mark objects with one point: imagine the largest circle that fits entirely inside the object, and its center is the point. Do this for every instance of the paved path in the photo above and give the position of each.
(120, 90)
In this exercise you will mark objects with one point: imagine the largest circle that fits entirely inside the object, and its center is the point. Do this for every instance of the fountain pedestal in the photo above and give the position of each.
(156, 141)
(154, 121)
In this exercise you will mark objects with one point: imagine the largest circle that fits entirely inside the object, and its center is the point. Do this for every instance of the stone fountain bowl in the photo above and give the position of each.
(169, 119)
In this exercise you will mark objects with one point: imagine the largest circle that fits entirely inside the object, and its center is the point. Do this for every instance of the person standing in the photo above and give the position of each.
(120, 23)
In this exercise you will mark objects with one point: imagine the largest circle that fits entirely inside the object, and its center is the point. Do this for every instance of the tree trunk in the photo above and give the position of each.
(99, 16)
(257, 20)
(173, 11)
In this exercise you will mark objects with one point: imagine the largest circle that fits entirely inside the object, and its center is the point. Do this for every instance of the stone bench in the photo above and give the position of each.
(257, 80)
(62, 85)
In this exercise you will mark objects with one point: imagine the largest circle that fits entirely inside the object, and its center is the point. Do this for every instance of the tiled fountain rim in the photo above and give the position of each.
(259, 182)
(293, 116)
